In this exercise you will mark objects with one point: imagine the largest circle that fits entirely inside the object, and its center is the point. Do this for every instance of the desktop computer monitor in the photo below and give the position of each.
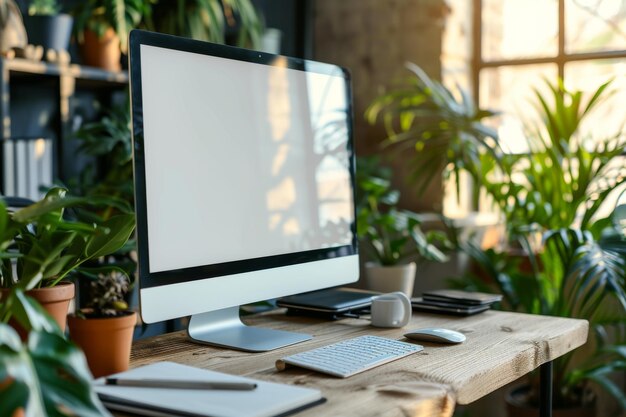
(244, 183)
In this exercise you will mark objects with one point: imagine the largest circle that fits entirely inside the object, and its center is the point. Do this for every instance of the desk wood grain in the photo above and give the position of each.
(500, 348)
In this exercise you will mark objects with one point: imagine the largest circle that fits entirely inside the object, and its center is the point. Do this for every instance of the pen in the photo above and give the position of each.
(181, 384)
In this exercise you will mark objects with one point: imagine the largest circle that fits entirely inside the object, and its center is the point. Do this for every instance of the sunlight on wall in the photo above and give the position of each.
(282, 196)
(280, 159)
(279, 116)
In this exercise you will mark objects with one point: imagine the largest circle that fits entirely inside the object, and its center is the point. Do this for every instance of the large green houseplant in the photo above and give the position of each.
(561, 255)
(443, 134)
(568, 260)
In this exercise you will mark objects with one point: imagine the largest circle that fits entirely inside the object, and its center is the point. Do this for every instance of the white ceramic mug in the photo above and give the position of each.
(391, 310)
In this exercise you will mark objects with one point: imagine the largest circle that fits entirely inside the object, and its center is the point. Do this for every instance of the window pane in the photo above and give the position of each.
(587, 76)
(510, 90)
(519, 28)
(595, 25)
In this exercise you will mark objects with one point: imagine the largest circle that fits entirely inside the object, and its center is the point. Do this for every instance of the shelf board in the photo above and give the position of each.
(79, 72)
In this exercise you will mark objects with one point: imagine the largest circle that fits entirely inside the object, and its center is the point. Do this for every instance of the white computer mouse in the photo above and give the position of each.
(436, 335)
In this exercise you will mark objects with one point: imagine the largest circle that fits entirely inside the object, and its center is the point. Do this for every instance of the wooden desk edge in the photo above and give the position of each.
(569, 339)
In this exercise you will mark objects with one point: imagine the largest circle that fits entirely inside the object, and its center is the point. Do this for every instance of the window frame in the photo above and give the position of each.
(560, 59)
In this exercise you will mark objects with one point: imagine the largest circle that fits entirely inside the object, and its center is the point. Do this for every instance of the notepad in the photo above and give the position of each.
(267, 400)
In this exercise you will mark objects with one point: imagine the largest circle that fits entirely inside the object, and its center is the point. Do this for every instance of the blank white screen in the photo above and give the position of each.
(242, 160)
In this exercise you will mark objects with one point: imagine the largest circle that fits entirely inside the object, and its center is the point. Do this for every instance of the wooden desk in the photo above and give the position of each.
(500, 348)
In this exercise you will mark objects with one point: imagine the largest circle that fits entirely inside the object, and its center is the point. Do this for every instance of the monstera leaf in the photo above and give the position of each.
(48, 375)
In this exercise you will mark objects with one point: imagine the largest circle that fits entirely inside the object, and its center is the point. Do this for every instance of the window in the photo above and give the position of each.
(517, 43)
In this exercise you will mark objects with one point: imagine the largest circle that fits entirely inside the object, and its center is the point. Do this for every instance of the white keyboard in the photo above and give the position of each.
(349, 357)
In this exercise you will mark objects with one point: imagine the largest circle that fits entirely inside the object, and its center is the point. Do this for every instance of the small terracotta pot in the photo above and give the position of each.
(55, 300)
(102, 52)
(105, 341)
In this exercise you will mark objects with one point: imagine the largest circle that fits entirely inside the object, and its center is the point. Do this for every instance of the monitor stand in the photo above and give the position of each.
(224, 328)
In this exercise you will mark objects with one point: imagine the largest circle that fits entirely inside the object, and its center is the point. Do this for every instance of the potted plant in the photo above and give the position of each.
(104, 328)
(46, 26)
(41, 248)
(46, 373)
(102, 28)
(207, 20)
(391, 238)
(577, 268)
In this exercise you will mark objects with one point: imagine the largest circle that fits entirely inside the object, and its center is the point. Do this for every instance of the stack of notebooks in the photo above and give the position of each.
(454, 302)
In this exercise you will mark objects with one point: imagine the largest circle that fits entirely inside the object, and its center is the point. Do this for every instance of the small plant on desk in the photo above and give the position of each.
(391, 238)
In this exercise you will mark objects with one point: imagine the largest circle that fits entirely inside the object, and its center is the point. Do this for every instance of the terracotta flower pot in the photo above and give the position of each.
(55, 300)
(103, 52)
(390, 278)
(105, 341)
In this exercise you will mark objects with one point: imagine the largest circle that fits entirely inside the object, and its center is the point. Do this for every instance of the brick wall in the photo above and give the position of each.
(374, 38)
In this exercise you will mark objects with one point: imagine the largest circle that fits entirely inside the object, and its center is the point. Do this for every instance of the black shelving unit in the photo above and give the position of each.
(45, 100)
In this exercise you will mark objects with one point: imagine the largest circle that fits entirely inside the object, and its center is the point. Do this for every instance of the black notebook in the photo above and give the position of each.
(420, 304)
(333, 300)
(462, 297)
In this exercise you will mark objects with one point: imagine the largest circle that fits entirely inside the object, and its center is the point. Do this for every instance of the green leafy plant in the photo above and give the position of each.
(46, 247)
(444, 134)
(108, 141)
(44, 8)
(207, 20)
(47, 375)
(578, 266)
(566, 175)
(120, 15)
(390, 236)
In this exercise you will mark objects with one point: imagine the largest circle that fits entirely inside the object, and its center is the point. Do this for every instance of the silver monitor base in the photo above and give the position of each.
(224, 328)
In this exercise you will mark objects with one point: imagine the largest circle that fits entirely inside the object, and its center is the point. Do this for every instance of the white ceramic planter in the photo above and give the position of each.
(390, 278)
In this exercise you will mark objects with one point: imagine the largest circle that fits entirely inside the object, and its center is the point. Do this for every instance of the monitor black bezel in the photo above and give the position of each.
(153, 279)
